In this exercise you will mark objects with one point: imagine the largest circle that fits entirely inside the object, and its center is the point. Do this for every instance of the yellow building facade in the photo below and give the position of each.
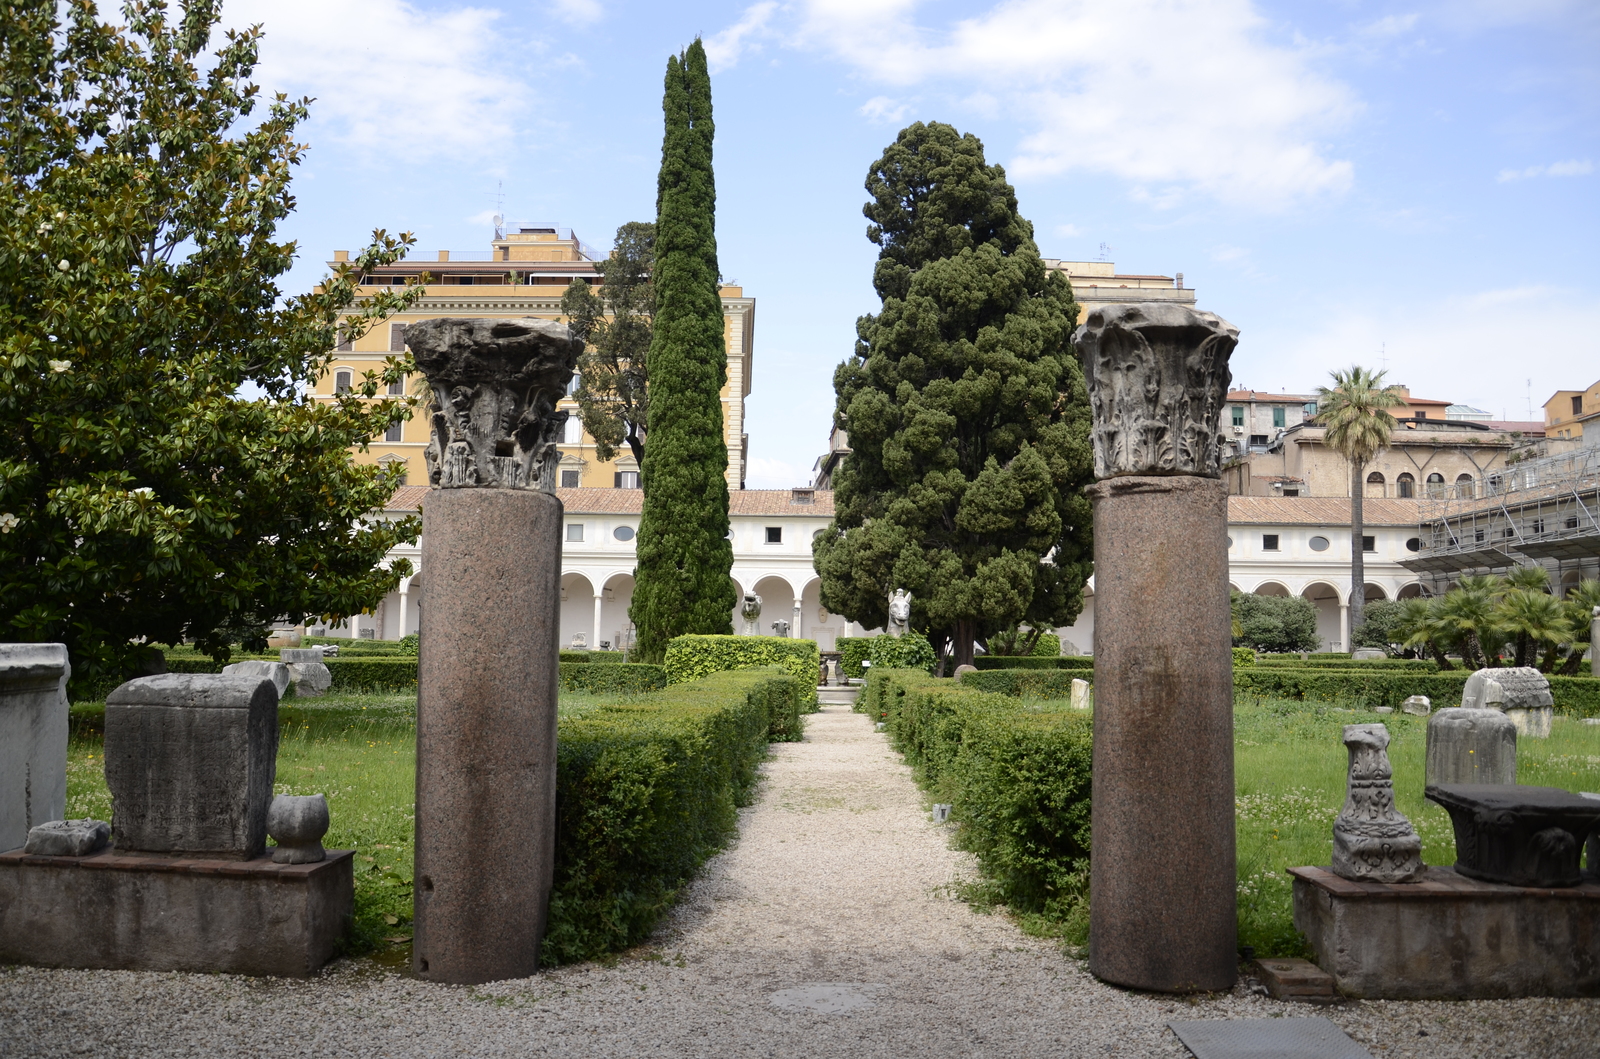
(524, 273)
(1570, 413)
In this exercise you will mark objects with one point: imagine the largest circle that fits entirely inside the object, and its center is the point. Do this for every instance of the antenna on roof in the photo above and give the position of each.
(1383, 354)
(1530, 400)
(1105, 252)
(499, 209)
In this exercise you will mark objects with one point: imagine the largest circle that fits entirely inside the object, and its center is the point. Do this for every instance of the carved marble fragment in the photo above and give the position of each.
(1158, 378)
(495, 384)
(899, 613)
(1372, 841)
(750, 611)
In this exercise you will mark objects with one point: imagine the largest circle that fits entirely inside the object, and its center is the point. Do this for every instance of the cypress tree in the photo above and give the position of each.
(967, 411)
(683, 583)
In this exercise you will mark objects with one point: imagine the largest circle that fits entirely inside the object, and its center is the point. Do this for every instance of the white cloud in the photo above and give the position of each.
(724, 49)
(388, 75)
(1172, 95)
(1555, 169)
(885, 111)
(1389, 26)
(1067, 231)
(766, 473)
(578, 12)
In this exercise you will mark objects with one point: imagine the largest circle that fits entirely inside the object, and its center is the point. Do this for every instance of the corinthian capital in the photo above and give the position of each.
(1158, 376)
(495, 386)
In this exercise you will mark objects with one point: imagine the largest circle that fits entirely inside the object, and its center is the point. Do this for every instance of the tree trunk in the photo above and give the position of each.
(1438, 657)
(1523, 643)
(1358, 568)
(963, 635)
(1574, 661)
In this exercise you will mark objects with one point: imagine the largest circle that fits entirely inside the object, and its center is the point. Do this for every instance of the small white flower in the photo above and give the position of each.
(61, 215)
(8, 522)
(143, 490)
(60, 366)
(63, 264)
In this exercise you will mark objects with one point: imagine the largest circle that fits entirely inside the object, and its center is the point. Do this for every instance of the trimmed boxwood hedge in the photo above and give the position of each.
(692, 657)
(1027, 683)
(853, 650)
(1574, 696)
(1244, 656)
(627, 678)
(646, 789)
(594, 656)
(1033, 662)
(1408, 665)
(1017, 781)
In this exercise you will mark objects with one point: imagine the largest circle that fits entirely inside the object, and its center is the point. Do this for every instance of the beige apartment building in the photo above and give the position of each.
(1574, 415)
(1096, 284)
(524, 273)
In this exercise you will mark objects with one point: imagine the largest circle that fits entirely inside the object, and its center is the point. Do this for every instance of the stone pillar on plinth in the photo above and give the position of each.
(1162, 877)
(490, 621)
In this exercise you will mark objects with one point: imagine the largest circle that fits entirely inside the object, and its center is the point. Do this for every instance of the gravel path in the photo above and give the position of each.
(828, 929)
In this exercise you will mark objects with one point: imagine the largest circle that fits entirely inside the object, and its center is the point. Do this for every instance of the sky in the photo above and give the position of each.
(1407, 186)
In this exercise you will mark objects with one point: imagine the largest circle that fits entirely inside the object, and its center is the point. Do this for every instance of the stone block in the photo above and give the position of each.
(276, 672)
(146, 912)
(1417, 706)
(1296, 979)
(33, 738)
(68, 838)
(1450, 937)
(1532, 722)
(1512, 687)
(1368, 654)
(1082, 695)
(297, 823)
(311, 679)
(190, 760)
(300, 655)
(1518, 835)
(1471, 746)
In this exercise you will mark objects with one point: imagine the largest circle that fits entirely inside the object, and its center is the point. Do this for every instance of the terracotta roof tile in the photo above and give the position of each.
(631, 501)
(1323, 511)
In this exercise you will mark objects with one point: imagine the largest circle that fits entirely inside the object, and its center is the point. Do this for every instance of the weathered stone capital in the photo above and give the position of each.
(1158, 377)
(495, 385)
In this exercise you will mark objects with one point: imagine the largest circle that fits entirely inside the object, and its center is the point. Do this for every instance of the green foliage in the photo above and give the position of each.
(1574, 696)
(1017, 781)
(1244, 656)
(372, 674)
(692, 657)
(1048, 645)
(1027, 683)
(1481, 613)
(967, 411)
(684, 554)
(1275, 623)
(646, 789)
(1382, 665)
(1382, 626)
(853, 650)
(408, 644)
(911, 651)
(143, 500)
(1024, 641)
(613, 382)
(613, 678)
(1033, 662)
(594, 656)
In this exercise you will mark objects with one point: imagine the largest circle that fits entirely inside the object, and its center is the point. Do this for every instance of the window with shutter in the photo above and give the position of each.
(396, 432)
(397, 389)
(346, 344)
(397, 338)
(341, 382)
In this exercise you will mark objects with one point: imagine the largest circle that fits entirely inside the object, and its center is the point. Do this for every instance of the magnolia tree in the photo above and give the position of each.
(163, 477)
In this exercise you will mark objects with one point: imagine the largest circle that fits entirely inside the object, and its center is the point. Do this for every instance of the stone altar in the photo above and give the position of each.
(33, 738)
(1373, 841)
(486, 704)
(1162, 877)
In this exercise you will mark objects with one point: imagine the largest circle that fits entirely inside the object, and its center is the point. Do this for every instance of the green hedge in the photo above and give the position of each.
(1574, 696)
(594, 656)
(1409, 665)
(1027, 683)
(626, 678)
(1032, 662)
(692, 657)
(1017, 781)
(853, 650)
(646, 790)
(1244, 656)
(1048, 646)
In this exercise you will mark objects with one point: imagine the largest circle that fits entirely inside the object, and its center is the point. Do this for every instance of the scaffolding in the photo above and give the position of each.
(1543, 511)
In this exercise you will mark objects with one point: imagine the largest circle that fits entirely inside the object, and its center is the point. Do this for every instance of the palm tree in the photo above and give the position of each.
(1419, 626)
(1580, 603)
(1355, 414)
(1466, 613)
(1533, 618)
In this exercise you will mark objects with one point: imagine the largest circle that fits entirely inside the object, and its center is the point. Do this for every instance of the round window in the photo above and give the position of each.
(1414, 544)
(1230, 542)
(1319, 544)
(623, 533)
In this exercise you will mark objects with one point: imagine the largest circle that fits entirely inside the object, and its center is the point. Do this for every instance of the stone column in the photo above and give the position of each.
(1344, 626)
(599, 600)
(405, 593)
(1162, 878)
(794, 630)
(490, 621)
(33, 738)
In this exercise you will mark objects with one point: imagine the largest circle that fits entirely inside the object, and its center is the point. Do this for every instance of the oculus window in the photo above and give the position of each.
(1319, 544)
(623, 533)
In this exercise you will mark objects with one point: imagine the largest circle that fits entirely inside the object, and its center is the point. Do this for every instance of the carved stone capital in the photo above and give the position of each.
(495, 385)
(1158, 377)
(1372, 840)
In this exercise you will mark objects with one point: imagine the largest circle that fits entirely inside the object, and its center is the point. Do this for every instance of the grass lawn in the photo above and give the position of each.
(360, 751)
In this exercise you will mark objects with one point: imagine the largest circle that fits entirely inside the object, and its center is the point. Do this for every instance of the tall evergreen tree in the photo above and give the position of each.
(967, 411)
(685, 557)
(613, 388)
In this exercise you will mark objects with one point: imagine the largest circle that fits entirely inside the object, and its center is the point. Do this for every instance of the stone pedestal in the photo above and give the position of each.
(1162, 905)
(33, 738)
(1471, 746)
(1450, 937)
(147, 912)
(486, 732)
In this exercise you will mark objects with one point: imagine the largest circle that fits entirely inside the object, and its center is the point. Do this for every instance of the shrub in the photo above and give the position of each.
(646, 790)
(1244, 656)
(1275, 623)
(911, 651)
(370, 674)
(1028, 662)
(594, 656)
(608, 678)
(1017, 781)
(1574, 696)
(1380, 625)
(1379, 665)
(1027, 683)
(853, 650)
(692, 657)
(408, 644)
(1049, 646)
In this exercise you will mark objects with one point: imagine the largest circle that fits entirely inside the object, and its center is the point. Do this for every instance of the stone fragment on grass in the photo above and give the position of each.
(276, 672)
(68, 838)
(33, 738)
(297, 823)
(1417, 706)
(1471, 746)
(1373, 841)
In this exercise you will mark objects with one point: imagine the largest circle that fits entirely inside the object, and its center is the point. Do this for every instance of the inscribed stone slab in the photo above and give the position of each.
(1296, 1038)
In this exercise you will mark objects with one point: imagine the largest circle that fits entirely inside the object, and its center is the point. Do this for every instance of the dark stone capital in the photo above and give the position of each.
(1158, 377)
(495, 385)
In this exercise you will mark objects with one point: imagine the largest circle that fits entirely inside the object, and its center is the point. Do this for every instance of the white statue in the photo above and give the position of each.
(750, 610)
(899, 612)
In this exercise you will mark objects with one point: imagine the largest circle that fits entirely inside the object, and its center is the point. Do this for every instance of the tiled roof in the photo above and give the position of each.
(631, 501)
(1323, 511)
(1264, 395)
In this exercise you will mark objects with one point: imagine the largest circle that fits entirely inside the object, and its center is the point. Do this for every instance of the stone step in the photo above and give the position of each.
(837, 696)
(1295, 979)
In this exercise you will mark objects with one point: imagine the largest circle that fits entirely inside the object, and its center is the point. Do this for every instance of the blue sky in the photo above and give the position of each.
(1410, 185)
